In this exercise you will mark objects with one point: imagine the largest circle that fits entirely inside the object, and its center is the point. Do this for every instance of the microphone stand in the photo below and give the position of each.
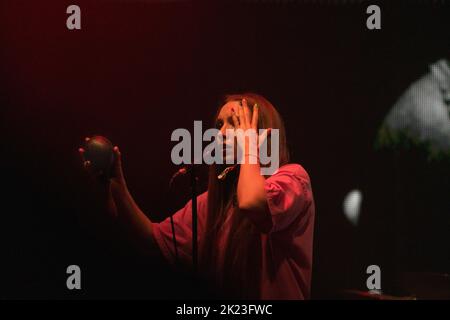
(193, 182)
(194, 220)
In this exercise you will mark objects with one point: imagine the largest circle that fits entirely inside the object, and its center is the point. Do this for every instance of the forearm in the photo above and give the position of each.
(252, 196)
(250, 190)
(137, 223)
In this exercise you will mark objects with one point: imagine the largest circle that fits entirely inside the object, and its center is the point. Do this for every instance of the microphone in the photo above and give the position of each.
(187, 168)
(182, 171)
(224, 173)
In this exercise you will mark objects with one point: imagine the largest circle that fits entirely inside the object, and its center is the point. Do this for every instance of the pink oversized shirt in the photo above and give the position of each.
(286, 249)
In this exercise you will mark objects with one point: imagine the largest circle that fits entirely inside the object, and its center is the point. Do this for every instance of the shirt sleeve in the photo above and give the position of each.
(288, 195)
(182, 220)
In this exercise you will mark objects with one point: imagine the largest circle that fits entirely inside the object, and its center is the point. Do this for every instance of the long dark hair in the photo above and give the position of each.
(239, 276)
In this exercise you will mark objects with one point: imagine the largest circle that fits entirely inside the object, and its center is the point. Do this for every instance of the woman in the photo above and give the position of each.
(255, 232)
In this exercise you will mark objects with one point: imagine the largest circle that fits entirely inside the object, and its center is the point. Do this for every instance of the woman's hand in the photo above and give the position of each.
(121, 204)
(102, 186)
(251, 193)
(242, 119)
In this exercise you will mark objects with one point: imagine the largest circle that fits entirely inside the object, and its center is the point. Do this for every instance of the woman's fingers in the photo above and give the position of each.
(247, 119)
(240, 115)
(118, 172)
(81, 153)
(246, 113)
(235, 120)
(86, 163)
(255, 117)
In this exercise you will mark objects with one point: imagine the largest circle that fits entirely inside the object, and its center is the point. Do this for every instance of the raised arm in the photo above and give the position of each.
(250, 189)
(123, 207)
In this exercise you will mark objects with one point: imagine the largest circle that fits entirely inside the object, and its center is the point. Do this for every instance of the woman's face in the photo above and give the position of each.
(224, 122)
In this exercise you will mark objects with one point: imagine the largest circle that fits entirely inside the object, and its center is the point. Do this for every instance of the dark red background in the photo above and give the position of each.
(137, 70)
